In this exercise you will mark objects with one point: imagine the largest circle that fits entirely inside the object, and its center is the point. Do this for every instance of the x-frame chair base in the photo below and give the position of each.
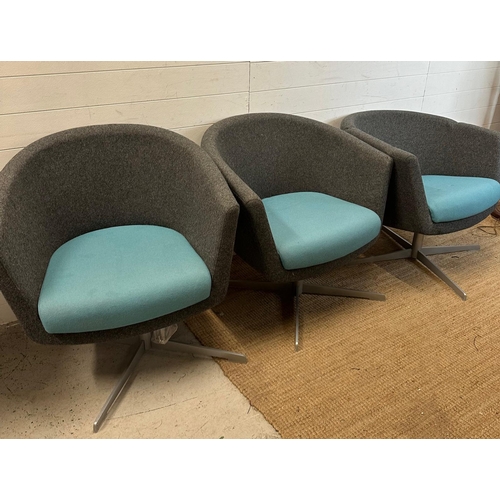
(299, 288)
(418, 252)
(158, 342)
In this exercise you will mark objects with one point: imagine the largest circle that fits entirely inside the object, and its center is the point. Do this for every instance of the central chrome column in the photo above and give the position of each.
(418, 241)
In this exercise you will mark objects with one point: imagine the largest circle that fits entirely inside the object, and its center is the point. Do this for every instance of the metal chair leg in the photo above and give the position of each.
(398, 254)
(440, 274)
(396, 237)
(298, 288)
(119, 386)
(448, 249)
(298, 292)
(417, 251)
(414, 247)
(201, 351)
(341, 292)
(146, 344)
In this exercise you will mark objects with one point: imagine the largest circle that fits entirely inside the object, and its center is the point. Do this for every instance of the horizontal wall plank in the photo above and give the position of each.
(195, 134)
(444, 83)
(458, 101)
(279, 75)
(19, 130)
(476, 116)
(20, 68)
(7, 155)
(304, 99)
(48, 92)
(448, 66)
(335, 116)
(495, 117)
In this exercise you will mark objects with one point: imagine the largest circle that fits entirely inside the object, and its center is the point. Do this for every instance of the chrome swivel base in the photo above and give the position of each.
(418, 252)
(159, 341)
(299, 288)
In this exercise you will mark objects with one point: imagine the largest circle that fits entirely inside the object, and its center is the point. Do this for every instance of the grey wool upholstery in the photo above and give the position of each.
(424, 144)
(268, 154)
(89, 178)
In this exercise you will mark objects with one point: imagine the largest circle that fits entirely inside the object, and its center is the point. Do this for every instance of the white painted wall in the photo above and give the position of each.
(39, 98)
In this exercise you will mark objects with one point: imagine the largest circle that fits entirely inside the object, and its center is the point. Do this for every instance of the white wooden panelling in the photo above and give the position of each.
(193, 133)
(458, 101)
(444, 83)
(448, 66)
(495, 126)
(278, 75)
(20, 68)
(7, 155)
(335, 116)
(48, 92)
(476, 116)
(19, 130)
(304, 99)
(495, 115)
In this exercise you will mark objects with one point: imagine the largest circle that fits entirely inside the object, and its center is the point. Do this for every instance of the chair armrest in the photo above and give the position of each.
(242, 192)
(254, 240)
(208, 217)
(353, 171)
(27, 240)
(406, 202)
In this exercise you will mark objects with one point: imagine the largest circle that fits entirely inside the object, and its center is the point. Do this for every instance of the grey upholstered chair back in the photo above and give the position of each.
(421, 134)
(276, 153)
(89, 178)
(476, 146)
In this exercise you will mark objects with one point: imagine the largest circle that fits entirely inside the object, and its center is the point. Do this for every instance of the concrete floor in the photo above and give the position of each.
(57, 392)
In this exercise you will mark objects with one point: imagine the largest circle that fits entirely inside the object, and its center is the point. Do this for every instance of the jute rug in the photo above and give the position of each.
(422, 364)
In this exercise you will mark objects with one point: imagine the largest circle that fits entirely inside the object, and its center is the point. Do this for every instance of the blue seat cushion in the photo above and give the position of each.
(120, 276)
(313, 228)
(452, 197)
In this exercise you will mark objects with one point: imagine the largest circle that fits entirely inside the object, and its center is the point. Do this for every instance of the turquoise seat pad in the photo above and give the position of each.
(120, 276)
(313, 228)
(453, 198)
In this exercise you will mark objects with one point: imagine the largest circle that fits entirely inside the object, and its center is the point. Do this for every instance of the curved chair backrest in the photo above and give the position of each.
(424, 135)
(276, 153)
(89, 178)
(440, 144)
